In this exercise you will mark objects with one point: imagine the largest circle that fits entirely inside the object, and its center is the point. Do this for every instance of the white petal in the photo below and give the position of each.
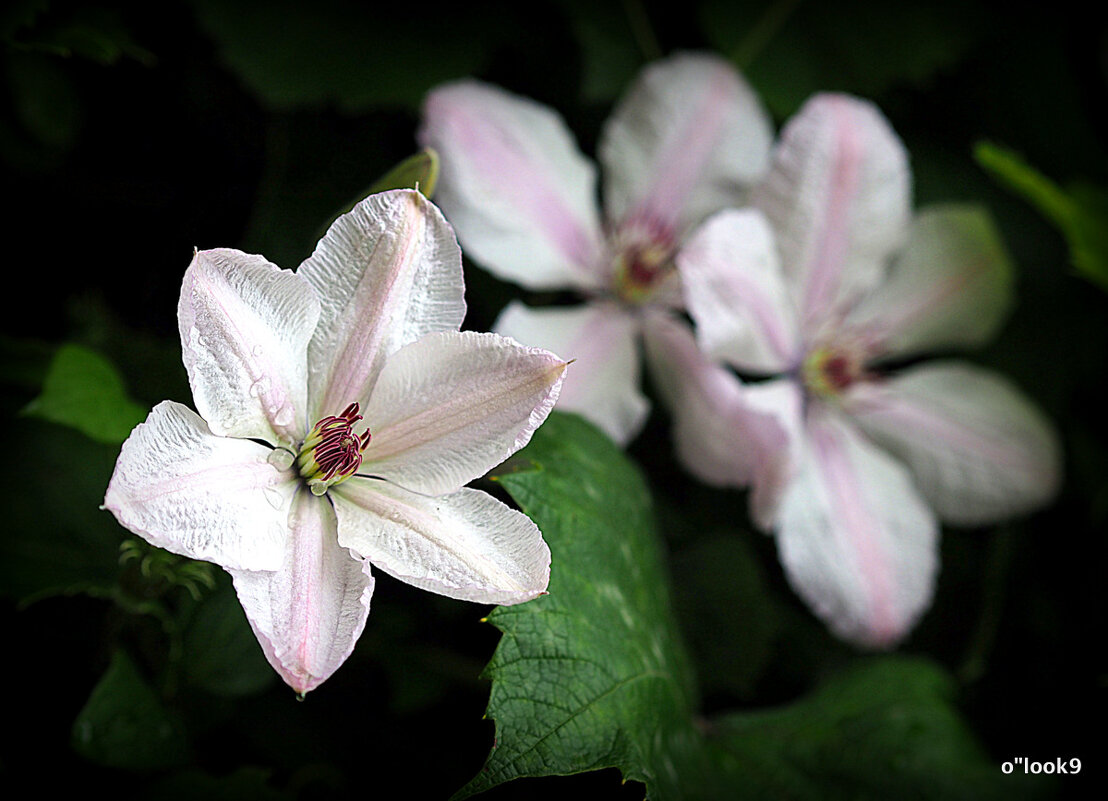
(386, 273)
(726, 433)
(514, 184)
(684, 142)
(979, 449)
(466, 545)
(838, 195)
(184, 489)
(856, 540)
(245, 326)
(950, 286)
(308, 614)
(736, 293)
(453, 405)
(603, 383)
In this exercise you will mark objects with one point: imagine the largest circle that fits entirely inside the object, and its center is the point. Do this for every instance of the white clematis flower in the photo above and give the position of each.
(341, 411)
(823, 280)
(684, 142)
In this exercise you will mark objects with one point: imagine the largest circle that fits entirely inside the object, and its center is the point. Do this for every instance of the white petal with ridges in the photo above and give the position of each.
(245, 326)
(453, 405)
(386, 273)
(603, 383)
(950, 286)
(857, 542)
(308, 614)
(736, 292)
(465, 545)
(980, 450)
(515, 185)
(184, 489)
(686, 140)
(839, 198)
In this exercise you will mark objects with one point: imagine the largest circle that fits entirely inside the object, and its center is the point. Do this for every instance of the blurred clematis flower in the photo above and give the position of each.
(685, 141)
(828, 285)
(341, 411)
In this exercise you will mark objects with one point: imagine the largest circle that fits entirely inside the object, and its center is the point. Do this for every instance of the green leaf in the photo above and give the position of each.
(791, 49)
(221, 653)
(293, 54)
(593, 674)
(1081, 213)
(886, 728)
(83, 390)
(418, 171)
(124, 725)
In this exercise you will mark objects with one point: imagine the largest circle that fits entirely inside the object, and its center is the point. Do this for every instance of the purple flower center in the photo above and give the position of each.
(332, 452)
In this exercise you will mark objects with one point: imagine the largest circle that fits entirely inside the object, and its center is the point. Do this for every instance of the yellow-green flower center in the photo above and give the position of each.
(828, 372)
(332, 452)
(643, 259)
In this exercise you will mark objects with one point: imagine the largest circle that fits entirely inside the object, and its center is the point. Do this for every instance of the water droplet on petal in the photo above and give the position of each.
(257, 350)
(283, 416)
(275, 497)
(280, 458)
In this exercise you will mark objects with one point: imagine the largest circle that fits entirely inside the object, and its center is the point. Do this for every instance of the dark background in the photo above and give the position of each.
(131, 133)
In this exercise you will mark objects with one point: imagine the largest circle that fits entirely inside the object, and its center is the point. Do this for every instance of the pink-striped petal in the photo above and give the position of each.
(466, 545)
(245, 326)
(950, 286)
(726, 433)
(603, 384)
(736, 293)
(515, 185)
(980, 451)
(857, 542)
(386, 273)
(838, 195)
(453, 405)
(308, 614)
(684, 142)
(184, 489)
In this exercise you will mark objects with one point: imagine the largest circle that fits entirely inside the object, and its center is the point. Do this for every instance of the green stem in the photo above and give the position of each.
(763, 32)
(641, 29)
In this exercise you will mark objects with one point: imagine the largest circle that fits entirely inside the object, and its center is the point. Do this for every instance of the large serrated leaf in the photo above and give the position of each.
(593, 674)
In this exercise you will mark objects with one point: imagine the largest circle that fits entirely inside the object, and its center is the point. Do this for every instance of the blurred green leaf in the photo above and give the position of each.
(792, 49)
(593, 674)
(124, 725)
(293, 54)
(610, 56)
(418, 171)
(886, 728)
(85, 30)
(1080, 213)
(83, 390)
(245, 784)
(221, 653)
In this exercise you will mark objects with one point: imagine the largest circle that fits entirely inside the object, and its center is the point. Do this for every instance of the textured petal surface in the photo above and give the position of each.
(245, 326)
(857, 542)
(308, 614)
(466, 545)
(515, 185)
(950, 286)
(184, 489)
(721, 435)
(453, 405)
(688, 137)
(979, 449)
(838, 195)
(736, 292)
(603, 383)
(386, 273)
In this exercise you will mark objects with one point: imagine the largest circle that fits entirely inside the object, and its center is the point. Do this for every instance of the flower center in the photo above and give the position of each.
(829, 371)
(332, 452)
(643, 258)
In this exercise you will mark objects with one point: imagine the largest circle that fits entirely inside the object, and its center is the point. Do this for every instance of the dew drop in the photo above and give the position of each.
(257, 350)
(275, 497)
(283, 416)
(255, 389)
(280, 458)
